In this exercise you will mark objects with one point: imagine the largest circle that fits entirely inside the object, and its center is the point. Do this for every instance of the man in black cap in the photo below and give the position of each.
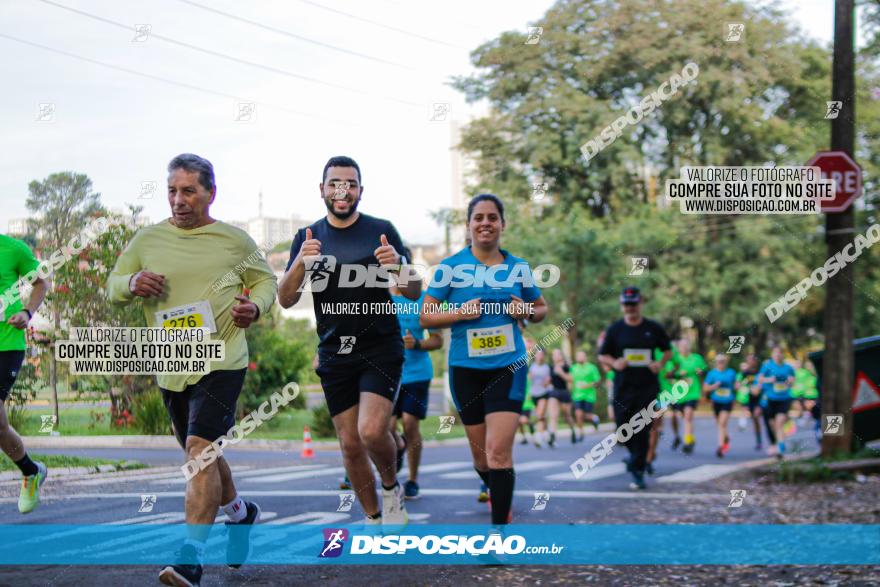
(628, 349)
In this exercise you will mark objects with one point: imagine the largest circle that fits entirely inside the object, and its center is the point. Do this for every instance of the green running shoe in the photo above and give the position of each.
(30, 489)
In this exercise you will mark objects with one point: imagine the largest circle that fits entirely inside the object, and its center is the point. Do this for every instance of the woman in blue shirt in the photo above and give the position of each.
(719, 385)
(481, 293)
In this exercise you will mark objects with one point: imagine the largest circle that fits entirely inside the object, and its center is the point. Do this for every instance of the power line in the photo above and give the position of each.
(382, 25)
(294, 35)
(229, 57)
(168, 81)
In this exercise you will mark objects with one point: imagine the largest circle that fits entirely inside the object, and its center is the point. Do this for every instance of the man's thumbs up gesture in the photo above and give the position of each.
(386, 254)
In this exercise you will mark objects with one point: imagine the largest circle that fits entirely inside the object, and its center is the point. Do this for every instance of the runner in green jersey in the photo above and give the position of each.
(690, 367)
(665, 377)
(586, 377)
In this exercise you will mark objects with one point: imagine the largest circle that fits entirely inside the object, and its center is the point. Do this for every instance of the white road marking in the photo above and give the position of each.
(166, 518)
(597, 473)
(339, 471)
(440, 467)
(698, 474)
(448, 492)
(256, 472)
(317, 518)
(519, 468)
(177, 474)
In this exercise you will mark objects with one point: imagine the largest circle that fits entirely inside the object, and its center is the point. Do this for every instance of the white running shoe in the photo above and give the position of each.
(742, 423)
(393, 508)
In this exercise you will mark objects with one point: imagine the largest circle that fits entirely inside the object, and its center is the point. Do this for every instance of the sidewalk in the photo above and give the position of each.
(169, 442)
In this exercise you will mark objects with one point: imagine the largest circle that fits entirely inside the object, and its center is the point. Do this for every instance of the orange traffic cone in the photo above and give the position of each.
(307, 452)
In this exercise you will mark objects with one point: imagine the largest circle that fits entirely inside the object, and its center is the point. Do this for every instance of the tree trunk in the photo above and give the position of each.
(53, 368)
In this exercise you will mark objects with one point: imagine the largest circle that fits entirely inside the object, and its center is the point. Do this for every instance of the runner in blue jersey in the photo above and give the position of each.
(720, 385)
(412, 401)
(777, 377)
(486, 291)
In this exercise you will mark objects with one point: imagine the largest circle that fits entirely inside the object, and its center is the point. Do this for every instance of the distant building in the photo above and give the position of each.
(269, 231)
(135, 222)
(17, 227)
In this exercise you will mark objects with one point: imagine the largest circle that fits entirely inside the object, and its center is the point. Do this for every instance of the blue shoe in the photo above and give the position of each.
(781, 447)
(411, 490)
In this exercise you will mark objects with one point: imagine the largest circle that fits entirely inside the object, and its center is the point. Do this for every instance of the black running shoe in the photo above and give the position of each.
(574, 437)
(638, 481)
(552, 442)
(401, 452)
(676, 442)
(649, 468)
(688, 448)
(186, 572)
(238, 545)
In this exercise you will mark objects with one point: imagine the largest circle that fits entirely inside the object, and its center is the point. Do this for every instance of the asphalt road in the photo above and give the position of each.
(292, 490)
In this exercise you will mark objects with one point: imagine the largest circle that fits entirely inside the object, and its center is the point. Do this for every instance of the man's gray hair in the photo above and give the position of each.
(192, 163)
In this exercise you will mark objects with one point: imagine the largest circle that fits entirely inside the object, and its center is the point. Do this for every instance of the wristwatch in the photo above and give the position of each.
(417, 345)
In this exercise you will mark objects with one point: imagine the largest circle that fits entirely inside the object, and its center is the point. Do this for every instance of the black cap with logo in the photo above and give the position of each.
(630, 295)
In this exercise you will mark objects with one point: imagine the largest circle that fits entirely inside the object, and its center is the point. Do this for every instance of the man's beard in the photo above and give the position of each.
(341, 215)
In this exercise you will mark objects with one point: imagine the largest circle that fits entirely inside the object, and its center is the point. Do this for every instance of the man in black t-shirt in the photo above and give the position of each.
(348, 257)
(628, 348)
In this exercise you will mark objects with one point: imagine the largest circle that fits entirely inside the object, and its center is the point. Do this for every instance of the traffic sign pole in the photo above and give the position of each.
(839, 230)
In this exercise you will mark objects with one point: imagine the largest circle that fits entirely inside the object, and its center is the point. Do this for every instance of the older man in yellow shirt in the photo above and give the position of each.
(182, 267)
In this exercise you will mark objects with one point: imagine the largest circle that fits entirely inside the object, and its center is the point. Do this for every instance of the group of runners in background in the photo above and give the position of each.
(375, 369)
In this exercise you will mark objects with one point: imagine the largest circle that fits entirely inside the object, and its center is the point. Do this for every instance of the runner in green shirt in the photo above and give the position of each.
(665, 377)
(690, 368)
(609, 390)
(586, 377)
(804, 390)
(17, 262)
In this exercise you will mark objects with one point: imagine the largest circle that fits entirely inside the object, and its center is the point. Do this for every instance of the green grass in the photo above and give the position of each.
(286, 425)
(65, 461)
(72, 422)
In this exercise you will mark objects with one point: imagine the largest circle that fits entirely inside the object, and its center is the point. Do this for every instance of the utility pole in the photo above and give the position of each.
(837, 377)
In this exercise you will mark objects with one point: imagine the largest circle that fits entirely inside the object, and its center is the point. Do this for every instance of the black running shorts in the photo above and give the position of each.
(478, 392)
(343, 380)
(206, 408)
(10, 365)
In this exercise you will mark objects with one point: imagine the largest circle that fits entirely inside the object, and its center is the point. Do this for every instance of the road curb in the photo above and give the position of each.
(75, 471)
(169, 442)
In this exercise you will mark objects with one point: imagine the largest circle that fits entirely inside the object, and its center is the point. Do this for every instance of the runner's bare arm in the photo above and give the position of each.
(433, 317)
(289, 285)
(433, 342)
(20, 320)
(657, 366)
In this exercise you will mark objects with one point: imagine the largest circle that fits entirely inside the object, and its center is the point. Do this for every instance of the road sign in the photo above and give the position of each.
(866, 395)
(846, 173)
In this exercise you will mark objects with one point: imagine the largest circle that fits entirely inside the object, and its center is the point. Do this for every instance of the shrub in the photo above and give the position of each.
(322, 423)
(150, 415)
(276, 359)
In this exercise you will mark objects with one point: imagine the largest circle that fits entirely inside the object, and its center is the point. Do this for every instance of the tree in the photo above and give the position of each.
(60, 206)
(749, 105)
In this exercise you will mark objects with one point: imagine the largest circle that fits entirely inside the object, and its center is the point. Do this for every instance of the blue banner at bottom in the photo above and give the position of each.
(301, 544)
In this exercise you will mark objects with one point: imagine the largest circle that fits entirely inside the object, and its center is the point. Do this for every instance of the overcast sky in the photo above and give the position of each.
(366, 92)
